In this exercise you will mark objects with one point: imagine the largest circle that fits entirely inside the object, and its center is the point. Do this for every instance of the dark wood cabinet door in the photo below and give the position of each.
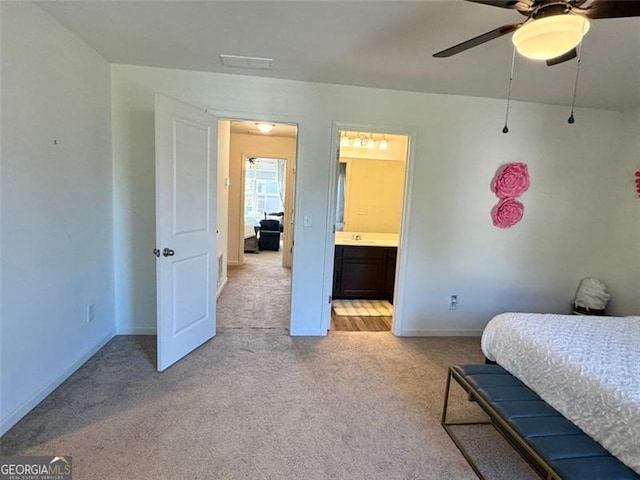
(364, 272)
(362, 278)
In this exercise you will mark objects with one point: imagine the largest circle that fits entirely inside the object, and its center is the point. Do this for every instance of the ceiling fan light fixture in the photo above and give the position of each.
(549, 37)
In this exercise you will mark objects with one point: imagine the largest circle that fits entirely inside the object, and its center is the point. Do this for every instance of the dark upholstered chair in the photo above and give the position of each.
(269, 235)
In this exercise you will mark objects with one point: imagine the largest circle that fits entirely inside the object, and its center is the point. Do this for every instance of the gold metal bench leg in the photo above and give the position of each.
(446, 425)
(540, 465)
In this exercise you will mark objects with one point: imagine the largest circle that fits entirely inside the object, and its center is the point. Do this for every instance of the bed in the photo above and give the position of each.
(587, 368)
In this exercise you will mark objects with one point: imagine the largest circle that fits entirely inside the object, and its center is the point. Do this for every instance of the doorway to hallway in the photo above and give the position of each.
(261, 199)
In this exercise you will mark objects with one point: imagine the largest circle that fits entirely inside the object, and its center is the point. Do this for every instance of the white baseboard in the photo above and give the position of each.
(308, 333)
(441, 333)
(15, 416)
(137, 330)
(222, 285)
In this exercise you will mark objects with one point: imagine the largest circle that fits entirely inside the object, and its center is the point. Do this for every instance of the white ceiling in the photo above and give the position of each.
(386, 44)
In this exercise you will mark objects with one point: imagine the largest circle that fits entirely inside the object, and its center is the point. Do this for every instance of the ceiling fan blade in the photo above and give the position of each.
(570, 55)
(479, 40)
(497, 3)
(613, 9)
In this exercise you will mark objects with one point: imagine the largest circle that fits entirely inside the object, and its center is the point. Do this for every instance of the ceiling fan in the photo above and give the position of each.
(553, 28)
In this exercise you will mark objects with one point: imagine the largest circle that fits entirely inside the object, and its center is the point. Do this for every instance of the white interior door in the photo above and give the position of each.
(186, 170)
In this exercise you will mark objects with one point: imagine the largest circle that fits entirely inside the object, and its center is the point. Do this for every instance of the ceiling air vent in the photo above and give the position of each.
(239, 61)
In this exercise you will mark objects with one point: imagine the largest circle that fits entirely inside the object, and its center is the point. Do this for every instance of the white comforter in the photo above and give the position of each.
(249, 229)
(587, 368)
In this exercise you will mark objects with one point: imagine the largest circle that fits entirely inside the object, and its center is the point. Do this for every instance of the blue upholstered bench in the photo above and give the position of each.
(553, 446)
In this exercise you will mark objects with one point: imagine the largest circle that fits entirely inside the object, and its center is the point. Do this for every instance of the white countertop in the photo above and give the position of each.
(367, 239)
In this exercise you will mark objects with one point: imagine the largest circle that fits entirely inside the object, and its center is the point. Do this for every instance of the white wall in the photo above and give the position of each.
(222, 215)
(56, 206)
(452, 246)
(622, 227)
(374, 192)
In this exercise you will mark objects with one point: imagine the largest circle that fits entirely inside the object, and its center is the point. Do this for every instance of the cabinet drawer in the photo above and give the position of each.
(364, 252)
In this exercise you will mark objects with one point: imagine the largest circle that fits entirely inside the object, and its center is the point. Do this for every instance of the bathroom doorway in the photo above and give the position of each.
(371, 178)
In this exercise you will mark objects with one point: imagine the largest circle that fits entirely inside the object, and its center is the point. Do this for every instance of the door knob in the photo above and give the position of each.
(167, 252)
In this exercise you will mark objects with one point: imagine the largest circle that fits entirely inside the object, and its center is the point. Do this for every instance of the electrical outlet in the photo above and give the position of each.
(91, 312)
(453, 302)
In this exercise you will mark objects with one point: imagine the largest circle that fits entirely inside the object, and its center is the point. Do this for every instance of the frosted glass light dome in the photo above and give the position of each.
(550, 37)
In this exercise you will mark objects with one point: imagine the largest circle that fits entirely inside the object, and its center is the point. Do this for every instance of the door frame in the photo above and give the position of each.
(287, 190)
(300, 123)
(398, 319)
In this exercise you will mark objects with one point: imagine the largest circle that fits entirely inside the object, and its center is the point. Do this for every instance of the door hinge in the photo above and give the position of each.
(330, 299)
(334, 228)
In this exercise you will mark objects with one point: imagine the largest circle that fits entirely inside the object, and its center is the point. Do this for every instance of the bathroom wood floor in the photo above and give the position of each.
(359, 324)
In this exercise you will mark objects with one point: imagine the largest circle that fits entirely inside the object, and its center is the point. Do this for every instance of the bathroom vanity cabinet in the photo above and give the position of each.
(364, 272)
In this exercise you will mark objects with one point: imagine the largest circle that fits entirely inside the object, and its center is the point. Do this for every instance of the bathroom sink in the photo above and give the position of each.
(362, 242)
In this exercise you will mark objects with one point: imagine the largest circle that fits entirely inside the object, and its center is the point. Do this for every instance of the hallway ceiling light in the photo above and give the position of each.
(265, 127)
(344, 140)
(383, 144)
(550, 37)
(357, 143)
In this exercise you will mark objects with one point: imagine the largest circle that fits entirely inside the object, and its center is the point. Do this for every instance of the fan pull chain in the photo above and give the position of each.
(571, 119)
(506, 118)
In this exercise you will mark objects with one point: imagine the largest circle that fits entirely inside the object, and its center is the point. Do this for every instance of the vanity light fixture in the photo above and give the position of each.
(371, 144)
(364, 140)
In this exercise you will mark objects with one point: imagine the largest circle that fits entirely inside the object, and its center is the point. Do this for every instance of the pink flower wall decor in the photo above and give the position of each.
(511, 180)
(638, 182)
(507, 213)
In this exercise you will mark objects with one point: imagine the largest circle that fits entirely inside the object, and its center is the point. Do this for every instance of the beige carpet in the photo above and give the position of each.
(258, 404)
(362, 308)
(257, 295)
(255, 403)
